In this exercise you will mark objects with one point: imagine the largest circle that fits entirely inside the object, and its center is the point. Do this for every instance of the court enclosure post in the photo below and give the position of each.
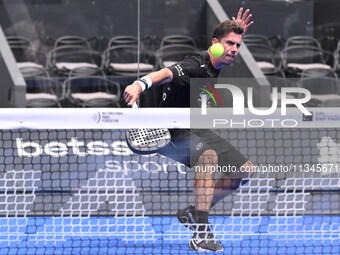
(13, 86)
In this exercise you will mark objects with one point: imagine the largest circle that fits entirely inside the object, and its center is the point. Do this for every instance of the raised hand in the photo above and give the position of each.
(244, 19)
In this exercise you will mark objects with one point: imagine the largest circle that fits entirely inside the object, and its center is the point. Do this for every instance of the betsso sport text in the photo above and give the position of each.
(72, 147)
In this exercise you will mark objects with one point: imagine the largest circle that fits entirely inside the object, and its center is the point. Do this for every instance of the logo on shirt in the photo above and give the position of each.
(199, 146)
(179, 70)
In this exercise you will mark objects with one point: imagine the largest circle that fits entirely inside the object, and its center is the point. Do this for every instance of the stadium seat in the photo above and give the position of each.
(122, 40)
(122, 60)
(317, 72)
(27, 57)
(63, 59)
(295, 59)
(29, 70)
(43, 92)
(92, 91)
(322, 88)
(68, 40)
(302, 41)
(256, 39)
(85, 71)
(333, 102)
(178, 39)
(267, 59)
(18, 41)
(172, 53)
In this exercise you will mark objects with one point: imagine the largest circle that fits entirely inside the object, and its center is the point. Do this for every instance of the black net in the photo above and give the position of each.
(78, 191)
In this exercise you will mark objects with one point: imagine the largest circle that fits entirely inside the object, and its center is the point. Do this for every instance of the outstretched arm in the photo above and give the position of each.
(244, 19)
(133, 91)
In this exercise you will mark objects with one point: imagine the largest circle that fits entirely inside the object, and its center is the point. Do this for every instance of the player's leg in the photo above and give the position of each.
(203, 159)
(186, 148)
(195, 216)
(208, 193)
(203, 239)
(204, 180)
(228, 183)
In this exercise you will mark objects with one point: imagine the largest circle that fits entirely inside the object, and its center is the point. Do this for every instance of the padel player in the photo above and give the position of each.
(200, 148)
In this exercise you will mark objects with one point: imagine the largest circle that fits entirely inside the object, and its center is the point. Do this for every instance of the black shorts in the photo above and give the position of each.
(187, 146)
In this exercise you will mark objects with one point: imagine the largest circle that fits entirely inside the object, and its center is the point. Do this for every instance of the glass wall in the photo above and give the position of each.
(123, 40)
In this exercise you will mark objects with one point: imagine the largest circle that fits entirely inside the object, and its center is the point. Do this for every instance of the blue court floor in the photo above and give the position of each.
(164, 235)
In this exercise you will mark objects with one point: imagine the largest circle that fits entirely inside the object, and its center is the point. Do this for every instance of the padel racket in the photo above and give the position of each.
(147, 140)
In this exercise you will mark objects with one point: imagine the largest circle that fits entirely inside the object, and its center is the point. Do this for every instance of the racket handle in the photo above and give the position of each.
(135, 105)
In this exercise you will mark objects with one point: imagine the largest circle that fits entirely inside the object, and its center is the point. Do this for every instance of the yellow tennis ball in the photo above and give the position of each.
(217, 49)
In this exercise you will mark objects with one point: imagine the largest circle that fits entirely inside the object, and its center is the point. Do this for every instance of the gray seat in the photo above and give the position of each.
(267, 59)
(123, 40)
(317, 72)
(172, 53)
(122, 60)
(256, 39)
(63, 59)
(92, 91)
(332, 102)
(296, 59)
(69, 40)
(302, 41)
(322, 88)
(43, 92)
(27, 57)
(178, 39)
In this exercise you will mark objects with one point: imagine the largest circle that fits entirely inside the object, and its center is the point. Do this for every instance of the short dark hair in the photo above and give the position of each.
(226, 27)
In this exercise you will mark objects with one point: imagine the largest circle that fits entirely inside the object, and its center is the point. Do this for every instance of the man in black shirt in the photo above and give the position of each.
(200, 148)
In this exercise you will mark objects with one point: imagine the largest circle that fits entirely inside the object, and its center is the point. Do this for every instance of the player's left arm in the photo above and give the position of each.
(244, 20)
